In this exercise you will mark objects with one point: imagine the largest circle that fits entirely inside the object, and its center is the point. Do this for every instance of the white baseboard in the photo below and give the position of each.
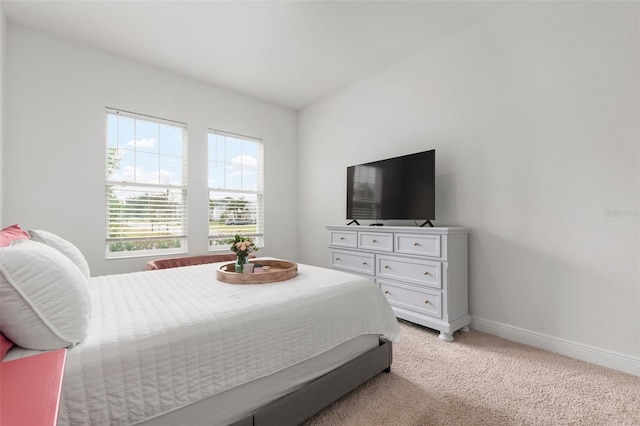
(609, 359)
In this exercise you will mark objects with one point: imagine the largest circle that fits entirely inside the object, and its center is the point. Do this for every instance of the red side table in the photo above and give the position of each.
(30, 389)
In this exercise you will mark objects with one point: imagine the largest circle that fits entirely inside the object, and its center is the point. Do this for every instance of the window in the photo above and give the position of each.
(146, 185)
(236, 190)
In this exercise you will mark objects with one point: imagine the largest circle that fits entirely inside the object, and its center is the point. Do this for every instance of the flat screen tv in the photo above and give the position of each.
(395, 188)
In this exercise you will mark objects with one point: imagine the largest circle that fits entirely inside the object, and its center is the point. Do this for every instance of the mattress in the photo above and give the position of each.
(241, 401)
(162, 340)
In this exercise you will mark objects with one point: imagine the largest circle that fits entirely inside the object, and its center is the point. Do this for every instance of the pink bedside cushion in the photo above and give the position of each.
(175, 262)
(5, 345)
(11, 234)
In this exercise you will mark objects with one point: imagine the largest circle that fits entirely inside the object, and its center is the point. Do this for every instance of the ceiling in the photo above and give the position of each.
(291, 53)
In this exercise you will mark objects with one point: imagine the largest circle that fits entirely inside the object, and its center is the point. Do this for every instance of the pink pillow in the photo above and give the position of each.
(5, 345)
(11, 234)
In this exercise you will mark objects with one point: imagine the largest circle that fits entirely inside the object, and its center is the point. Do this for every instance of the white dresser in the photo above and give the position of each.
(422, 271)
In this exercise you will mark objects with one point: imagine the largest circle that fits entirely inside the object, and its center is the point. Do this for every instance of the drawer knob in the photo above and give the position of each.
(386, 267)
(416, 243)
(342, 238)
(338, 259)
(426, 273)
(374, 241)
(387, 292)
(426, 302)
(365, 263)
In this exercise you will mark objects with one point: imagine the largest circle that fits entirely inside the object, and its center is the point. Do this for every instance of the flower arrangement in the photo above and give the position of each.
(242, 246)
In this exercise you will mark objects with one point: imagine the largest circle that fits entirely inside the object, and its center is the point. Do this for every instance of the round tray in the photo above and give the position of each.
(279, 270)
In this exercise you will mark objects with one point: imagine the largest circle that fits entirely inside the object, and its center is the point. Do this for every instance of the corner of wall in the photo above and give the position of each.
(3, 39)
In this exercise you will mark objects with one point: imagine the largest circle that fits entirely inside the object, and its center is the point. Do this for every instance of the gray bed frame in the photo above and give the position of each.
(296, 407)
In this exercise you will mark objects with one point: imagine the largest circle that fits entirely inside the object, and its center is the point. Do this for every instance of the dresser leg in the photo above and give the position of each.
(465, 329)
(447, 337)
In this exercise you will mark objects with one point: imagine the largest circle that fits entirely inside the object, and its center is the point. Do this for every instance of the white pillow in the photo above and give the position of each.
(64, 246)
(44, 299)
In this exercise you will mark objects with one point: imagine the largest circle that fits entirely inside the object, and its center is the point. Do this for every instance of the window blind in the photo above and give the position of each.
(146, 193)
(236, 188)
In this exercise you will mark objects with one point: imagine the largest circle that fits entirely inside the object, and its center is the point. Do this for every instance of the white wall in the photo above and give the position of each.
(56, 93)
(3, 26)
(533, 113)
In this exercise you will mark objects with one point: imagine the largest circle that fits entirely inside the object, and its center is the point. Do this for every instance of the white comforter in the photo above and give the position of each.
(159, 340)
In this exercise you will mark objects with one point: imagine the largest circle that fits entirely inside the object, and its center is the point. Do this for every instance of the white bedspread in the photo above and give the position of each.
(160, 340)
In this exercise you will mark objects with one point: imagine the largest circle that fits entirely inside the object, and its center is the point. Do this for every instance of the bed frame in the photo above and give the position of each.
(296, 407)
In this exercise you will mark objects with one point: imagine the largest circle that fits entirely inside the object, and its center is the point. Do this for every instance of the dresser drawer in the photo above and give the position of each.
(344, 238)
(416, 271)
(421, 300)
(422, 245)
(375, 241)
(353, 261)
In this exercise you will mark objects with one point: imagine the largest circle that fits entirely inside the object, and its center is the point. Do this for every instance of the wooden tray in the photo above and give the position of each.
(279, 270)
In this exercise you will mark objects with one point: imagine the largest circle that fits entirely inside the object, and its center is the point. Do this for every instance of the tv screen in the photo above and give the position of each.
(395, 188)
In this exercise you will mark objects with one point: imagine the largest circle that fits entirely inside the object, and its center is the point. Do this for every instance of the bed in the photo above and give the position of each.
(175, 346)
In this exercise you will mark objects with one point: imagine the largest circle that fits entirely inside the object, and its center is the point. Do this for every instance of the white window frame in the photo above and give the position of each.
(220, 232)
(177, 231)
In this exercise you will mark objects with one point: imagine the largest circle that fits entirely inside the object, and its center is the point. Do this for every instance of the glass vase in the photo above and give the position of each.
(240, 262)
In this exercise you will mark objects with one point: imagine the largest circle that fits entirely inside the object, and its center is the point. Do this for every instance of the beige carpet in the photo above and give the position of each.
(481, 379)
